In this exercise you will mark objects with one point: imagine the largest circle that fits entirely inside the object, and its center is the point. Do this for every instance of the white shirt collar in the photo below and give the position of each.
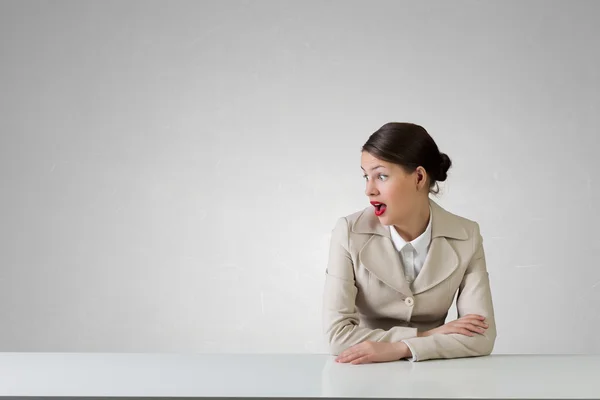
(420, 243)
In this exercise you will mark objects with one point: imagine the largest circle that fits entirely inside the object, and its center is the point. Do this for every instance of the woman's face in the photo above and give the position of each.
(392, 190)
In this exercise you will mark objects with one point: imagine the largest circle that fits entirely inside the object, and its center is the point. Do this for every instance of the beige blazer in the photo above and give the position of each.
(366, 296)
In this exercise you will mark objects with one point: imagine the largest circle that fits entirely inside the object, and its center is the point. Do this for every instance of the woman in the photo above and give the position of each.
(395, 266)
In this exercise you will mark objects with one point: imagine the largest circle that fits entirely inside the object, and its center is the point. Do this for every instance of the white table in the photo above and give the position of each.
(299, 376)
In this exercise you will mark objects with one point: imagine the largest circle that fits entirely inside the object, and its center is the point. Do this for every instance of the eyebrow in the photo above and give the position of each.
(374, 168)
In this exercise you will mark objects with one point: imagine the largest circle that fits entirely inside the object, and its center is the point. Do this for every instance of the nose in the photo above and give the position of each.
(371, 190)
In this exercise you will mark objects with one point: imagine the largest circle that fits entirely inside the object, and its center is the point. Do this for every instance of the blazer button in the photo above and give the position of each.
(409, 301)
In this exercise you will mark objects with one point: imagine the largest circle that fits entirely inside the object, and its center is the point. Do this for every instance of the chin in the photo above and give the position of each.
(384, 219)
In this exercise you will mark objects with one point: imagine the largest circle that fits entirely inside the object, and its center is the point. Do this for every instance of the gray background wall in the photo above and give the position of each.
(171, 170)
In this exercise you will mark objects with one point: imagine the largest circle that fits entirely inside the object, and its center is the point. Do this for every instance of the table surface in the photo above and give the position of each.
(295, 375)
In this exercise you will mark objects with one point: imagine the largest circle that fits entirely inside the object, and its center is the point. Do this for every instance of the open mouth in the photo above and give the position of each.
(379, 207)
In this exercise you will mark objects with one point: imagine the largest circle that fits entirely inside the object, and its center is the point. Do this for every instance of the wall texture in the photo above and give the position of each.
(171, 170)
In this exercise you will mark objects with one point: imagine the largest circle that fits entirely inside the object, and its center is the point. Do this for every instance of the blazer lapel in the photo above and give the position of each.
(440, 263)
(441, 260)
(380, 257)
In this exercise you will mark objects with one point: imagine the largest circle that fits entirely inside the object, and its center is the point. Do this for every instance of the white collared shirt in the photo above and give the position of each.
(412, 255)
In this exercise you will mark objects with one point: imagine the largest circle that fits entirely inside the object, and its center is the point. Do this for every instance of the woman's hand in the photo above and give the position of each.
(469, 325)
(369, 352)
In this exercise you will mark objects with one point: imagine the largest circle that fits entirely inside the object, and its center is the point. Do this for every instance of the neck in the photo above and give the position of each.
(415, 224)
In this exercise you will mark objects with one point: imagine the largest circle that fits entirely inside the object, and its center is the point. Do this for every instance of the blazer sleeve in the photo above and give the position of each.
(340, 315)
(474, 297)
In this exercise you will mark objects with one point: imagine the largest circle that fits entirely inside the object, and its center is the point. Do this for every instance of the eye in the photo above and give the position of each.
(365, 177)
(382, 177)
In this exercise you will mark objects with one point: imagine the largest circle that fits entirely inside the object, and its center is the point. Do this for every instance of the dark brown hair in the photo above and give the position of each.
(410, 146)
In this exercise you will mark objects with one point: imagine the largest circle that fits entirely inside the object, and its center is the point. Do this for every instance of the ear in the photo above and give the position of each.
(421, 176)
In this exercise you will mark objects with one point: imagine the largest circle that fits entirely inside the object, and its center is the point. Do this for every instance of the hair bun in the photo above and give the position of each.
(445, 164)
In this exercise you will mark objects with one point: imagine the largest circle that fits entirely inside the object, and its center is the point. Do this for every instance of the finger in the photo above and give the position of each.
(474, 328)
(460, 328)
(363, 360)
(350, 356)
(471, 327)
(474, 321)
(465, 332)
(344, 358)
(355, 356)
(344, 354)
(350, 350)
(479, 323)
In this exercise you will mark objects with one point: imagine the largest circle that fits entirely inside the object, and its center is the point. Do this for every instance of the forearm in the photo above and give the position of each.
(453, 345)
(345, 333)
